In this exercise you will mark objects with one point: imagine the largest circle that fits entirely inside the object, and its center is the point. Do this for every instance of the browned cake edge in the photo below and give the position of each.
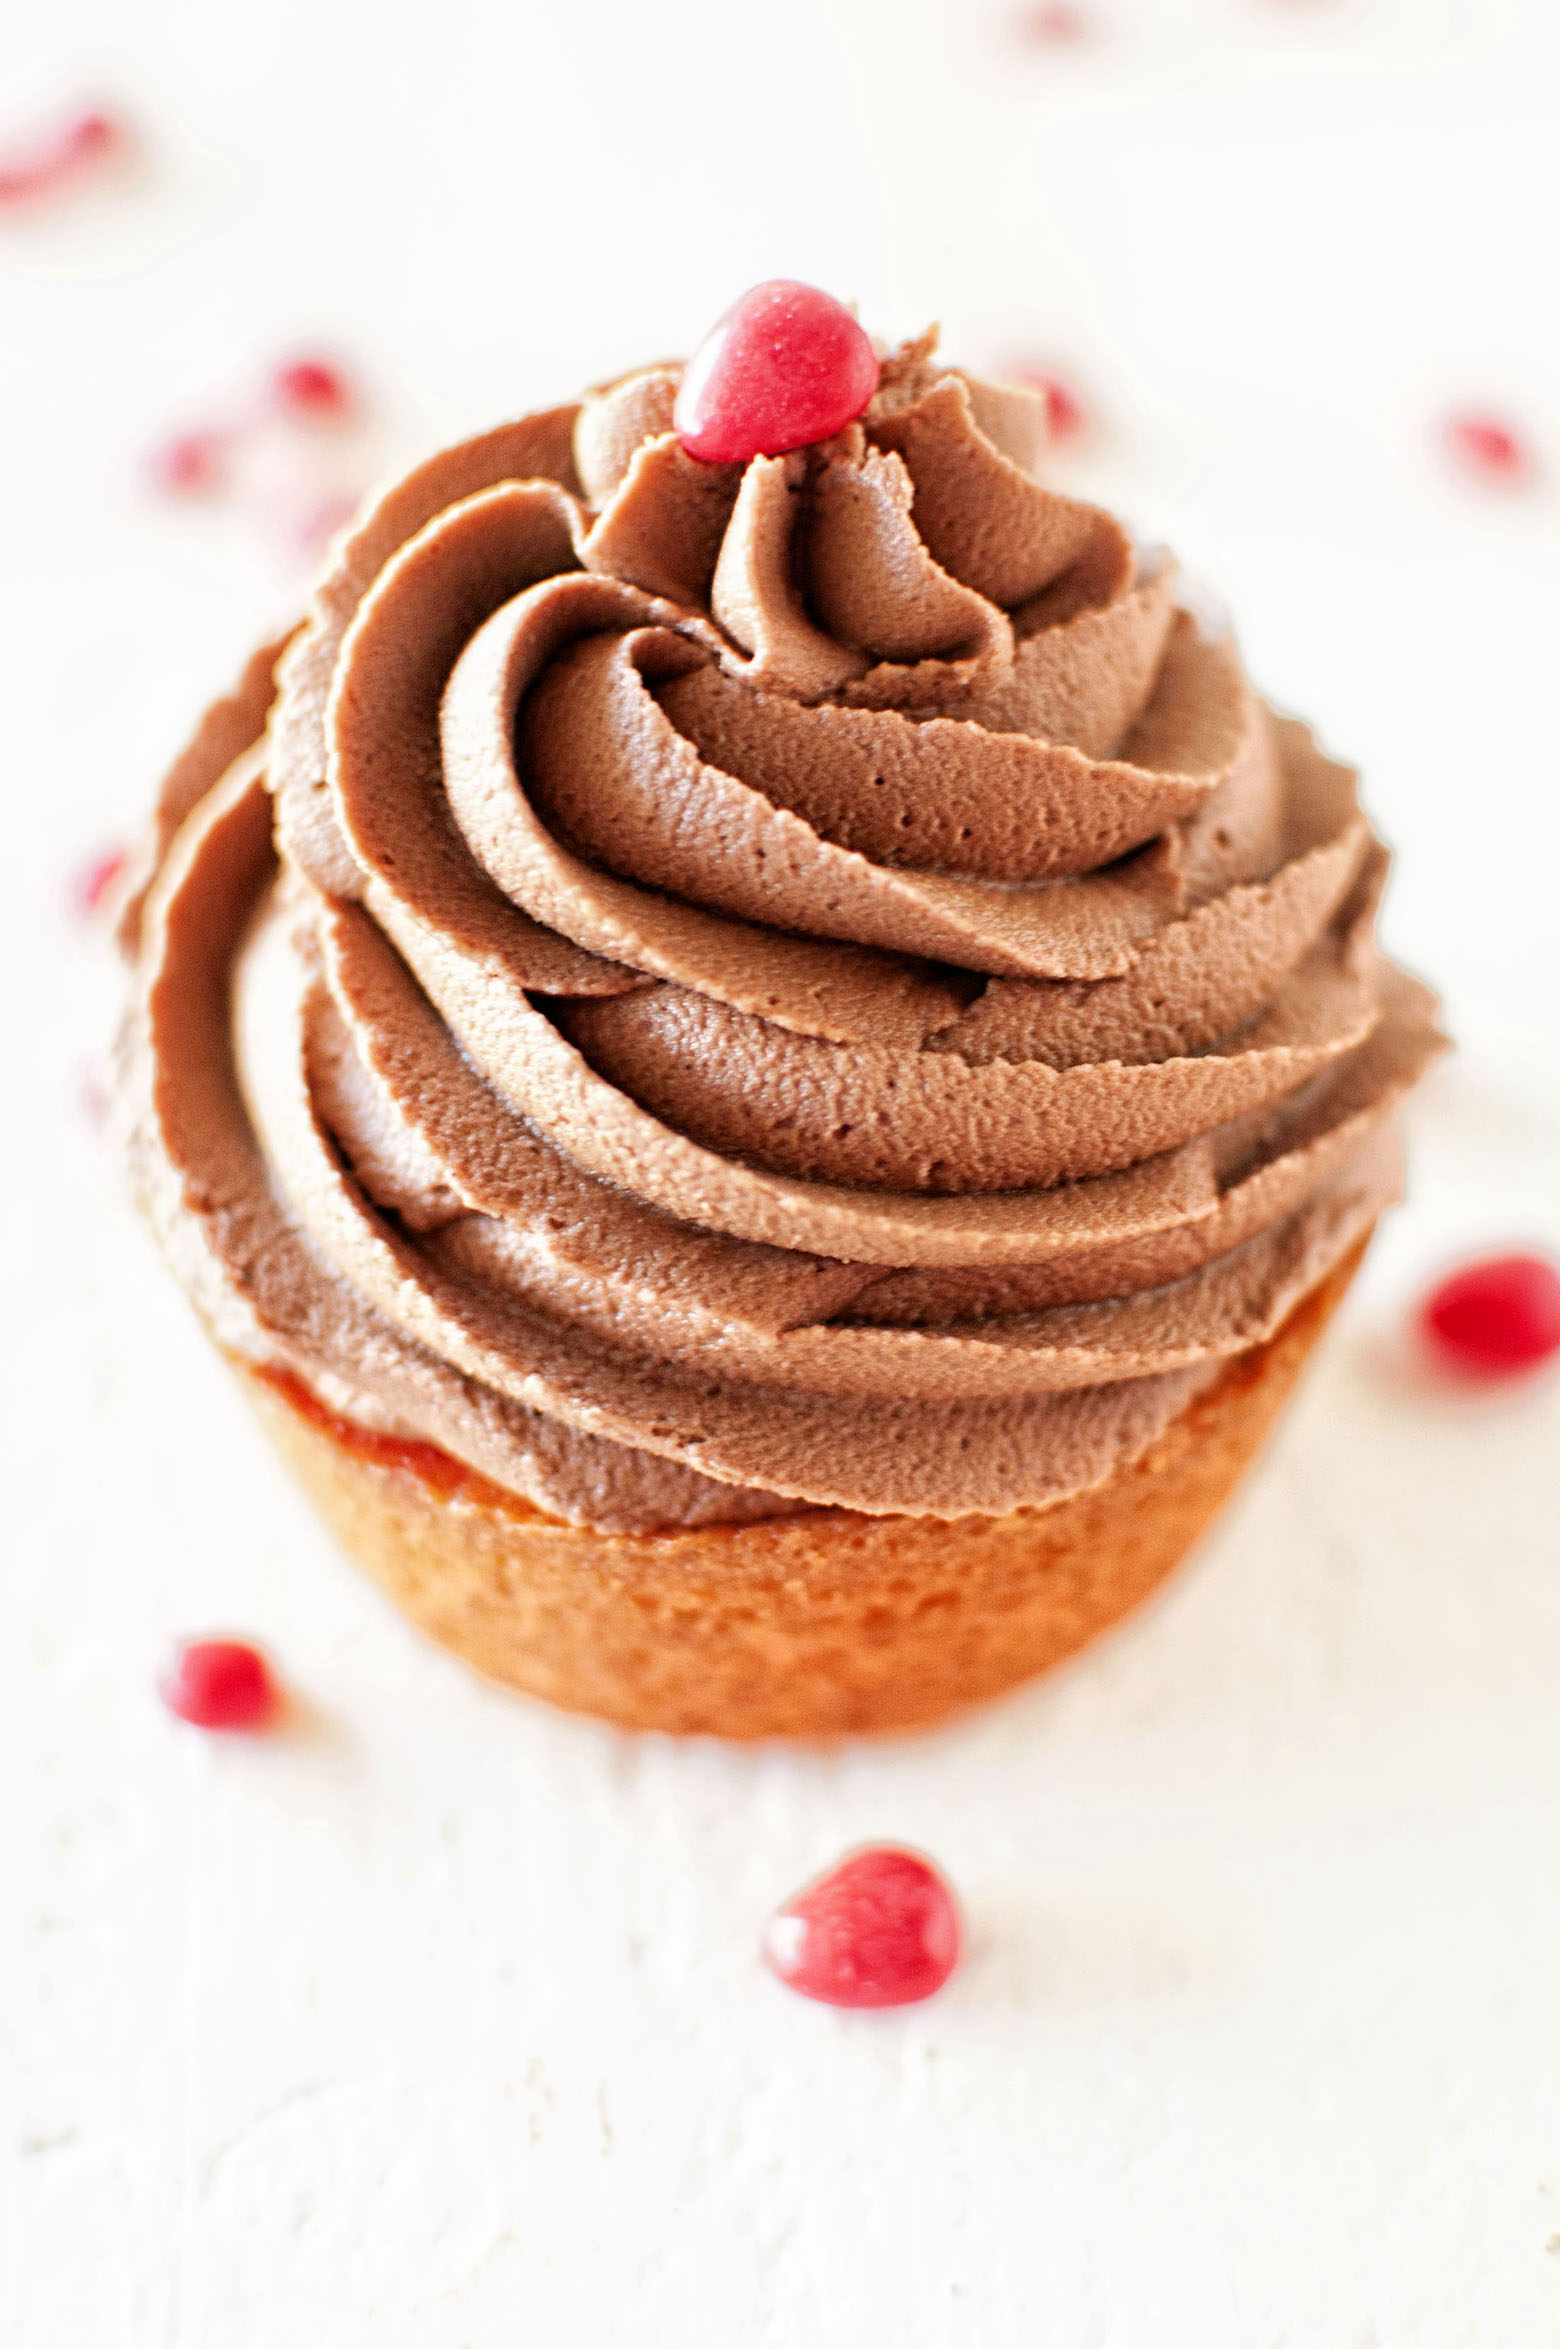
(814, 1625)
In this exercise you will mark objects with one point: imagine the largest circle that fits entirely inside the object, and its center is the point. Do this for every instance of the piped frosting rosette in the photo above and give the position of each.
(812, 982)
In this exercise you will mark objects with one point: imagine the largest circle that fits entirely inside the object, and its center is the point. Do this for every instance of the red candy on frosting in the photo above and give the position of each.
(220, 1684)
(881, 1929)
(785, 366)
(1497, 1318)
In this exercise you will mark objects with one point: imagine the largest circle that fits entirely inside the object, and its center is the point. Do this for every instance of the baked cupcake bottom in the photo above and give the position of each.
(805, 1626)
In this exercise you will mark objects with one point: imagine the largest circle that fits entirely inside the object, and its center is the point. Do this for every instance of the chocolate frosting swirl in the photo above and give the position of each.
(806, 983)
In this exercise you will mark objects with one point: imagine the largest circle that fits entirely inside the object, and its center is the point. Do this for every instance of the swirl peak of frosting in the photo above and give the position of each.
(706, 989)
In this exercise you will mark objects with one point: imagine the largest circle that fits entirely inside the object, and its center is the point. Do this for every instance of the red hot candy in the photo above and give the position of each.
(191, 465)
(785, 366)
(44, 165)
(1053, 21)
(1066, 416)
(881, 1929)
(93, 884)
(316, 388)
(220, 1684)
(1496, 1319)
(1490, 447)
(318, 524)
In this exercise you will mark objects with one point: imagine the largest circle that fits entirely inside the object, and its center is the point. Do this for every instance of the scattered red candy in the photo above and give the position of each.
(1052, 22)
(191, 465)
(50, 160)
(1496, 1319)
(314, 388)
(94, 1093)
(786, 366)
(1066, 415)
(1489, 447)
(881, 1929)
(92, 884)
(316, 525)
(220, 1684)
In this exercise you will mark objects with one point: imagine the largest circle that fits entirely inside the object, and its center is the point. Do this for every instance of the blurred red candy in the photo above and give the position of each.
(220, 1684)
(1497, 1318)
(190, 465)
(1052, 23)
(94, 1092)
(49, 161)
(1489, 446)
(92, 884)
(315, 388)
(1067, 417)
(317, 524)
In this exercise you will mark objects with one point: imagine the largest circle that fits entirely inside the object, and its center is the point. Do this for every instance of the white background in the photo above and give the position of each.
(436, 2024)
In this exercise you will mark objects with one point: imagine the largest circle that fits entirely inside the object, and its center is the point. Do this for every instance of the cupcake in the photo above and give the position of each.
(761, 1057)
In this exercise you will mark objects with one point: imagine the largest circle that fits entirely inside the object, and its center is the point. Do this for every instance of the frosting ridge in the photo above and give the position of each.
(716, 989)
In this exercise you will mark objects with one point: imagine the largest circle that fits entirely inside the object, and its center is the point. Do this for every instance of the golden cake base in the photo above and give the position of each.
(806, 1626)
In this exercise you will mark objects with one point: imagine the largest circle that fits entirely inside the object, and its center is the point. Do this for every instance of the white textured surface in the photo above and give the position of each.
(436, 2024)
